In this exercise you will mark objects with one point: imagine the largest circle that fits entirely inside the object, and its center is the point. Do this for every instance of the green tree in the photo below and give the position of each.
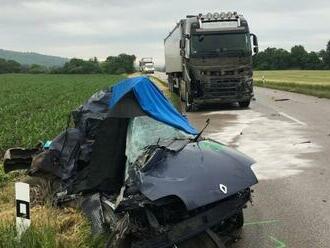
(9, 66)
(123, 63)
(298, 57)
(37, 69)
(325, 54)
(312, 61)
(80, 66)
(272, 59)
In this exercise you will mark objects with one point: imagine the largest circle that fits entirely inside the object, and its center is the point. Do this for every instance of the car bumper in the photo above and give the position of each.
(195, 225)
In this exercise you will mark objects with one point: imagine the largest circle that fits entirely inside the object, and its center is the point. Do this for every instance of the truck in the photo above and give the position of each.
(208, 59)
(146, 65)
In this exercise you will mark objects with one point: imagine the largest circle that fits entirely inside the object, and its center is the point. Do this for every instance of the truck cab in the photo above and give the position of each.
(214, 59)
(147, 65)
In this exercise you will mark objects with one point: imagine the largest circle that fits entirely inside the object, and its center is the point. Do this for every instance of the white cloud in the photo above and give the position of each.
(86, 28)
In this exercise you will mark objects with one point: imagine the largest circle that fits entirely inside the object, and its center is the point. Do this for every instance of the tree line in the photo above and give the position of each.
(123, 63)
(296, 58)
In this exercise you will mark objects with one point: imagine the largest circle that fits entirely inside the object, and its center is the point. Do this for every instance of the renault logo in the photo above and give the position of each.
(223, 188)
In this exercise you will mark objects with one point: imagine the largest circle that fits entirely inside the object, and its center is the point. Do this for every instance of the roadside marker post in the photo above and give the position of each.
(23, 220)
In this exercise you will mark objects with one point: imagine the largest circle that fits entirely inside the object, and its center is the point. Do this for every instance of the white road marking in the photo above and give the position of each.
(293, 119)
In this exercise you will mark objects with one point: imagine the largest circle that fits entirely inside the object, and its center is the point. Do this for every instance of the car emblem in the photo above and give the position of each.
(223, 188)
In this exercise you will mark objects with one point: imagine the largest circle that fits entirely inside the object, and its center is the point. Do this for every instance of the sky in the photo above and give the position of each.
(88, 28)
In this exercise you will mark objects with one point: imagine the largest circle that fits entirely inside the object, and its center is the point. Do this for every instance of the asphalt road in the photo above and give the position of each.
(288, 135)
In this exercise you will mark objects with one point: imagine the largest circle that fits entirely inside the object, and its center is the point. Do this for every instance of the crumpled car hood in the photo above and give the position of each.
(201, 173)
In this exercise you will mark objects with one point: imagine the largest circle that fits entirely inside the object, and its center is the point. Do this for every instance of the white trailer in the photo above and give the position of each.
(173, 58)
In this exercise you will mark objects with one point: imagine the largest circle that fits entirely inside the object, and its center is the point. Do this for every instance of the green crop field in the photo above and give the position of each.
(36, 107)
(316, 83)
(33, 108)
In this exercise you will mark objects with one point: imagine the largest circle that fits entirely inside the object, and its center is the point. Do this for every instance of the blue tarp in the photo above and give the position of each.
(152, 101)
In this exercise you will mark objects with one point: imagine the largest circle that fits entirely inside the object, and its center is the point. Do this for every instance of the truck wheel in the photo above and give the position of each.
(244, 104)
(176, 91)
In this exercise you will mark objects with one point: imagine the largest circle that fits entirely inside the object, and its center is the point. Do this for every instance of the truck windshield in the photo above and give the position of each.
(149, 65)
(219, 45)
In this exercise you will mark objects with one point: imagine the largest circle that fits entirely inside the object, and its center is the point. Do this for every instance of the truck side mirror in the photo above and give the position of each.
(255, 44)
(182, 44)
(256, 50)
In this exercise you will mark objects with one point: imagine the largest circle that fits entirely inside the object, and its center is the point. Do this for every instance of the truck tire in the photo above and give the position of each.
(176, 91)
(244, 104)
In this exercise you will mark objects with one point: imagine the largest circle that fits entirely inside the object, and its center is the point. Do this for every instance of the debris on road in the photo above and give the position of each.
(275, 114)
(140, 171)
(304, 142)
(282, 99)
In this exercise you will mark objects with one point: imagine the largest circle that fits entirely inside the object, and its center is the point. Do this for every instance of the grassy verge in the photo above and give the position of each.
(50, 227)
(317, 90)
(174, 98)
(315, 83)
(33, 108)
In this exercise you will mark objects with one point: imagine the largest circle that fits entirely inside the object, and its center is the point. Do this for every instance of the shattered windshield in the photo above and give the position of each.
(144, 131)
(214, 45)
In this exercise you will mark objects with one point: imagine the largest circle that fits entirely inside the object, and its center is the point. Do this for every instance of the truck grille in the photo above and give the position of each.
(222, 87)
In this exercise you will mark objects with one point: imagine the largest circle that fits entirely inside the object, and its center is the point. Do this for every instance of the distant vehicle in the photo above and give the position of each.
(208, 59)
(146, 65)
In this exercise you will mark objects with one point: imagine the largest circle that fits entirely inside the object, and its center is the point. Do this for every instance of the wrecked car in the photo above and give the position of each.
(141, 172)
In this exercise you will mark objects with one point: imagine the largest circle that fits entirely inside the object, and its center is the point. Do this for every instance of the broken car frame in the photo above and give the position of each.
(141, 172)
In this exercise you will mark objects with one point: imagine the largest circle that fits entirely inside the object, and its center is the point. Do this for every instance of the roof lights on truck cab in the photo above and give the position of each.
(209, 15)
(221, 16)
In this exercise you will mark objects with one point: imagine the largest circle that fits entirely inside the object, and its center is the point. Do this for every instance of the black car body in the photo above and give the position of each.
(146, 182)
